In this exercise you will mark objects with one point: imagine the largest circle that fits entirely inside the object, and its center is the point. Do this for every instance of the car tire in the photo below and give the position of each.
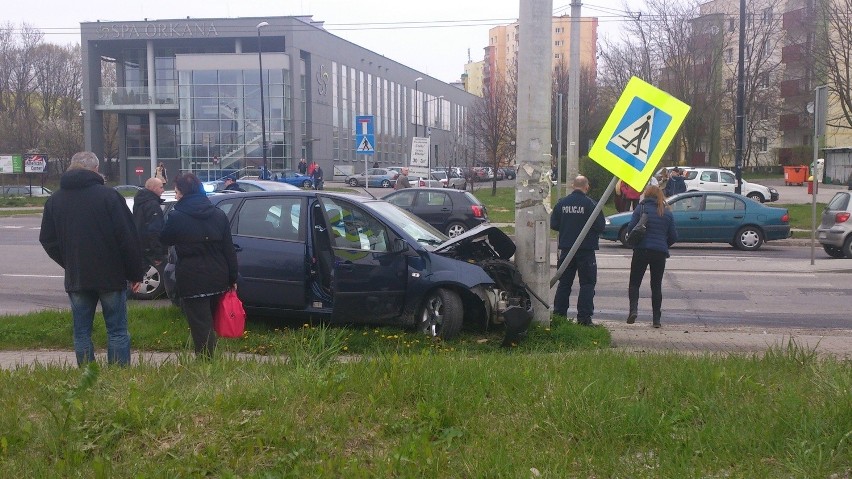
(847, 247)
(152, 286)
(307, 184)
(455, 228)
(756, 197)
(834, 251)
(442, 314)
(622, 236)
(353, 182)
(386, 184)
(748, 238)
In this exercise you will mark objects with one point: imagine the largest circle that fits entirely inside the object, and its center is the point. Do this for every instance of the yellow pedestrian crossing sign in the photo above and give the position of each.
(640, 128)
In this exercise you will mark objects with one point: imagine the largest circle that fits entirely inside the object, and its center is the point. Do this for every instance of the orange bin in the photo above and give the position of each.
(795, 175)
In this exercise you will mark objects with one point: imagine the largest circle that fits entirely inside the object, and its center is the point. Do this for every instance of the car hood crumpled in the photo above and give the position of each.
(499, 241)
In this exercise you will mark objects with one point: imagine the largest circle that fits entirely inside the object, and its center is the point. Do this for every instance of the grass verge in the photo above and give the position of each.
(434, 414)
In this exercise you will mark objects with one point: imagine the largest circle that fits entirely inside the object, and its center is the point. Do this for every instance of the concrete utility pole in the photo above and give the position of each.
(532, 188)
(573, 160)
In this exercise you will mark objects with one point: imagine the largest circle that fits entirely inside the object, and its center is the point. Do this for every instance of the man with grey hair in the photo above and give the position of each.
(568, 218)
(148, 219)
(88, 230)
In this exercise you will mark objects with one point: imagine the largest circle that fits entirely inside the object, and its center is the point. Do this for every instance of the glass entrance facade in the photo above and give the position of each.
(220, 119)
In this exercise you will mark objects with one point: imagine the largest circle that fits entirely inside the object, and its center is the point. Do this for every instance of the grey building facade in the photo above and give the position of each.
(187, 92)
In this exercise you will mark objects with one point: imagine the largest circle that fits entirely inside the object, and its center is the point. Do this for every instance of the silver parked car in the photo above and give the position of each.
(835, 230)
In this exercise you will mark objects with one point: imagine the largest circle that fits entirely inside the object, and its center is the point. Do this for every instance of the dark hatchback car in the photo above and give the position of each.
(450, 211)
(354, 259)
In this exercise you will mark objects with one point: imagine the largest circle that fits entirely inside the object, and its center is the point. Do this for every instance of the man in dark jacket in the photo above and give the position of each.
(316, 176)
(231, 185)
(568, 218)
(148, 219)
(88, 230)
(676, 183)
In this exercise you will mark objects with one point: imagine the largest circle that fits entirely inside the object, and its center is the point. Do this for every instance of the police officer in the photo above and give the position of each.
(568, 218)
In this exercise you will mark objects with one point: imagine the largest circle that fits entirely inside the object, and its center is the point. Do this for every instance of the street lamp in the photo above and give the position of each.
(416, 95)
(425, 127)
(265, 170)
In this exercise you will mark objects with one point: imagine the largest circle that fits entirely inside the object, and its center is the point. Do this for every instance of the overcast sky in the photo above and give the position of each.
(431, 36)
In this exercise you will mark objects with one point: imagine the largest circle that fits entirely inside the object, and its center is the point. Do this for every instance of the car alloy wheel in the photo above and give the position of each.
(756, 197)
(386, 184)
(748, 238)
(152, 284)
(847, 247)
(306, 184)
(353, 182)
(442, 314)
(454, 229)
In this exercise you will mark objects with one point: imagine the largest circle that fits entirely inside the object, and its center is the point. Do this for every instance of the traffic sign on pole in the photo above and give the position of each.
(365, 138)
(640, 128)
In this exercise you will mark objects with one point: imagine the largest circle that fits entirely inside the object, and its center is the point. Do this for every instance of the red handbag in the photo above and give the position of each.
(230, 318)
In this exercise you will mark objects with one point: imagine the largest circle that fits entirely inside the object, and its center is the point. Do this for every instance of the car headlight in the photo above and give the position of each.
(607, 221)
(773, 190)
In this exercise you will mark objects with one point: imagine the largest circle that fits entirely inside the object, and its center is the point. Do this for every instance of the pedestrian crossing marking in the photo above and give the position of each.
(641, 126)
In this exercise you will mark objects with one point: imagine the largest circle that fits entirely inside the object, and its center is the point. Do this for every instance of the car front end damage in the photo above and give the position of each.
(506, 300)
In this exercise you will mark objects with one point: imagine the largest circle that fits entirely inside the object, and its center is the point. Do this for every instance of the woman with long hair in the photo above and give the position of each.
(206, 259)
(651, 252)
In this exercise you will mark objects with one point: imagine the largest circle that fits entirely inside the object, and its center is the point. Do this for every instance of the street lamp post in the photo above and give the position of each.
(426, 128)
(416, 95)
(265, 169)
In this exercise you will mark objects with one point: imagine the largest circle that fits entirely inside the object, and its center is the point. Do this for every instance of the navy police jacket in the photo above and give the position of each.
(568, 217)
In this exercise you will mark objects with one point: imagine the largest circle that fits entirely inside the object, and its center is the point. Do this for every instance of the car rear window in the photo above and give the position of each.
(839, 202)
(473, 200)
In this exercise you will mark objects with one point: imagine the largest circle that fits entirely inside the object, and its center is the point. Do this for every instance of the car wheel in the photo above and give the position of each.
(152, 285)
(454, 229)
(353, 182)
(834, 251)
(756, 197)
(306, 184)
(622, 236)
(386, 184)
(442, 314)
(847, 247)
(748, 238)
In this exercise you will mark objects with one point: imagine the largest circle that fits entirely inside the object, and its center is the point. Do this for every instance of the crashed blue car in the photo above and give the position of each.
(353, 259)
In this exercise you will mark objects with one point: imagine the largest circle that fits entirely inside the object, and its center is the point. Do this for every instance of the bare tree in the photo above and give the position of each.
(834, 57)
(492, 124)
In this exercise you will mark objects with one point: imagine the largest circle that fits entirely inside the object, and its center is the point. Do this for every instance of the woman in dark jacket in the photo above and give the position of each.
(651, 251)
(206, 260)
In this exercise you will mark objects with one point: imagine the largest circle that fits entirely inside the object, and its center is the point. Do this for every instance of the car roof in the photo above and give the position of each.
(298, 192)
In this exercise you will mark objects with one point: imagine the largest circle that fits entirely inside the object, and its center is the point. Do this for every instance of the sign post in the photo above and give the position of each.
(365, 141)
(139, 171)
(419, 162)
(634, 138)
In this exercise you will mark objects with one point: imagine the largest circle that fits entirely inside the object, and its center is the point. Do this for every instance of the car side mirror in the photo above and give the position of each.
(399, 246)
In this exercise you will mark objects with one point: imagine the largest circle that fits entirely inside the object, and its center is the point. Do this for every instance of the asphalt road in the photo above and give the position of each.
(707, 285)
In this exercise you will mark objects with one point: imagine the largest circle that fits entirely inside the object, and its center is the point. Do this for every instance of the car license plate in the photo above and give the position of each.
(822, 236)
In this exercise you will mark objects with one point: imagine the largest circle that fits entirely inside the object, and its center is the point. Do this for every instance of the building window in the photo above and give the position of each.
(556, 55)
(729, 84)
(560, 29)
(729, 55)
(767, 16)
(731, 25)
(764, 112)
(762, 144)
(764, 80)
(559, 43)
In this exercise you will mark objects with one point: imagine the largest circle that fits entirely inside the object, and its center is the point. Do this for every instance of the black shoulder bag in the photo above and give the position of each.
(637, 234)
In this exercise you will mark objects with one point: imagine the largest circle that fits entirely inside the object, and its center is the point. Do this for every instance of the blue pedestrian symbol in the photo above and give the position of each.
(638, 133)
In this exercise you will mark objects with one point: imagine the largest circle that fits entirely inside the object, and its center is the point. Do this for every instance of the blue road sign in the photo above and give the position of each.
(365, 138)
(638, 133)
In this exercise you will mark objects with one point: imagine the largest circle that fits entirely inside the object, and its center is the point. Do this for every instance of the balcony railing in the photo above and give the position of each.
(793, 121)
(793, 88)
(796, 19)
(136, 97)
(793, 53)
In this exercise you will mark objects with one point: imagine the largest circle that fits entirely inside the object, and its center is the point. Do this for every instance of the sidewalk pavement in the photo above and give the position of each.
(636, 338)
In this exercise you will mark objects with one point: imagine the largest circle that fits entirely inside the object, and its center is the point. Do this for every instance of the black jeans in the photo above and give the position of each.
(583, 264)
(199, 315)
(642, 259)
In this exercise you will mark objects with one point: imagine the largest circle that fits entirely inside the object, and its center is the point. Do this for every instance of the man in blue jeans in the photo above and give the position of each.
(568, 218)
(88, 229)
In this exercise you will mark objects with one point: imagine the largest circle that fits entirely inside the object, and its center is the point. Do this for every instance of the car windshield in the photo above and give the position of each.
(418, 229)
